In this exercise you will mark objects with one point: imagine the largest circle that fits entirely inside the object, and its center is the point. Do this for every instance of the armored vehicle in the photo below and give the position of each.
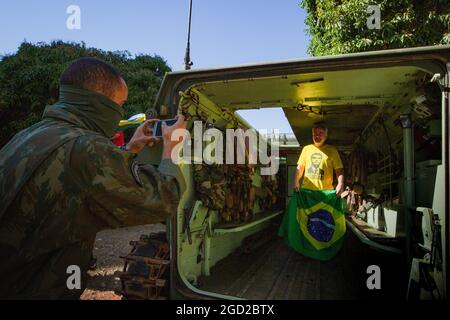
(387, 113)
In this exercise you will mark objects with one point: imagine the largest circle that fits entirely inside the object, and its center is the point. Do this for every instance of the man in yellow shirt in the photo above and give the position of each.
(320, 160)
(314, 223)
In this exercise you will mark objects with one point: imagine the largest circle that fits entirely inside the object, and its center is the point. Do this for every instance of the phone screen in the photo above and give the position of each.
(157, 129)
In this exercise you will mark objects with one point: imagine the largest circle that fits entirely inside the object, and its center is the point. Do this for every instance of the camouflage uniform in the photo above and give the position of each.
(61, 182)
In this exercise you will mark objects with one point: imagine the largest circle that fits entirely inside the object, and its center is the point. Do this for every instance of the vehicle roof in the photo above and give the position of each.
(366, 82)
(441, 51)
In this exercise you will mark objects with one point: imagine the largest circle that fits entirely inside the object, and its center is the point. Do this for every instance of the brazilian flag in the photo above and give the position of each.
(314, 223)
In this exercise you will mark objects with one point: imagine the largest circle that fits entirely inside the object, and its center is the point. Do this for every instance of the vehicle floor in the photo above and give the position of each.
(274, 271)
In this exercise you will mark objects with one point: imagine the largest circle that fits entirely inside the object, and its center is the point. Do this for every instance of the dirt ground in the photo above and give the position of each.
(109, 246)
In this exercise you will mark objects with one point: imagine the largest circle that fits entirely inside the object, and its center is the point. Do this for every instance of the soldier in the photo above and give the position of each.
(62, 180)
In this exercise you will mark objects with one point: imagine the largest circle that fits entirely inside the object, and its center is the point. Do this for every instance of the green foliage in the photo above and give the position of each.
(340, 26)
(29, 80)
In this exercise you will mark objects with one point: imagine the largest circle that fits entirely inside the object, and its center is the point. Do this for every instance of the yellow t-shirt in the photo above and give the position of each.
(320, 164)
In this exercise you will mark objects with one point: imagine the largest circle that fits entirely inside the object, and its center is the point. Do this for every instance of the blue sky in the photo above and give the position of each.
(224, 32)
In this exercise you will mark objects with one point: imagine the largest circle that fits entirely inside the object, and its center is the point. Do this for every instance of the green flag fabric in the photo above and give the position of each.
(314, 223)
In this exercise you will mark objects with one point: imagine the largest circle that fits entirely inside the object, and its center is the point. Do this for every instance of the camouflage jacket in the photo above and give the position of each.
(62, 181)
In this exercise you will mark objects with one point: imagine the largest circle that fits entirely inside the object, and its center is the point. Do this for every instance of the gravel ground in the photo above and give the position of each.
(109, 246)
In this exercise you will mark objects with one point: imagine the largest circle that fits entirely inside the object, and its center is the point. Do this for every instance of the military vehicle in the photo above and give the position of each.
(388, 115)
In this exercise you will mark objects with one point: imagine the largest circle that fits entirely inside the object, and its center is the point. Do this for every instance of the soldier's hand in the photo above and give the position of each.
(169, 140)
(143, 136)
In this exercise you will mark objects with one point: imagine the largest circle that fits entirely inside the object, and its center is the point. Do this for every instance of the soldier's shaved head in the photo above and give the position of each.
(95, 75)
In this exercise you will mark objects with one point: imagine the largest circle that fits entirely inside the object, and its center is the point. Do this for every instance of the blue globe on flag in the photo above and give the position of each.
(321, 225)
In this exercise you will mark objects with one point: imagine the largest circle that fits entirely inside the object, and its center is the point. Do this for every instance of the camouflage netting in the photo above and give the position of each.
(228, 189)
(268, 193)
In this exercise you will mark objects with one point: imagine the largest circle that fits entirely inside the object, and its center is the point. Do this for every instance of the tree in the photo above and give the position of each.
(29, 80)
(340, 26)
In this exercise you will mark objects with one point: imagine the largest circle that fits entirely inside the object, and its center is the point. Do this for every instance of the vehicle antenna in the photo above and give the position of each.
(187, 58)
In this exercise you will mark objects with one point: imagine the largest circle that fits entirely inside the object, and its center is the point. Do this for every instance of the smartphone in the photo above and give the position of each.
(157, 128)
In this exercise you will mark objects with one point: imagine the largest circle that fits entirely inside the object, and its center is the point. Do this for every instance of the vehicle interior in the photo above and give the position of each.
(383, 114)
